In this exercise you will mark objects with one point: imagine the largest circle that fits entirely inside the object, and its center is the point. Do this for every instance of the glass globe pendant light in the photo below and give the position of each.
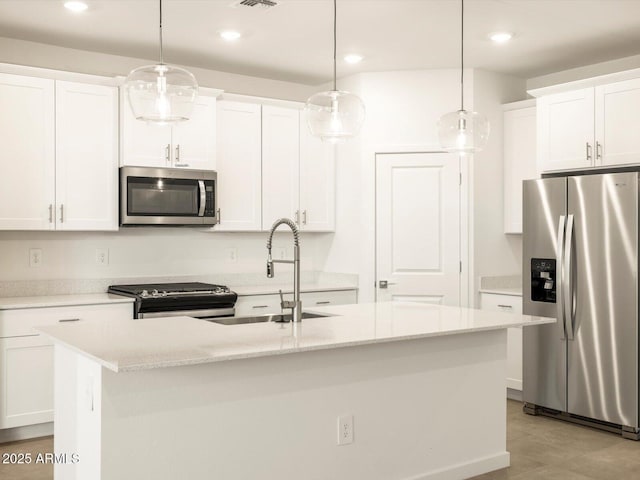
(463, 131)
(161, 93)
(335, 115)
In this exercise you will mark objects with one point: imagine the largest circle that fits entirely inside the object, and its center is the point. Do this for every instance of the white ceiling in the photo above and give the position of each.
(293, 41)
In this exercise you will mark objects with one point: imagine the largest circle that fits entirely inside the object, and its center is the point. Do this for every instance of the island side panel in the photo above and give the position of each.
(77, 416)
(428, 408)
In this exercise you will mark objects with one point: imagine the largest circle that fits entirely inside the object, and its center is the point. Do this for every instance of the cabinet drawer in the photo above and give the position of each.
(258, 305)
(501, 303)
(335, 297)
(21, 322)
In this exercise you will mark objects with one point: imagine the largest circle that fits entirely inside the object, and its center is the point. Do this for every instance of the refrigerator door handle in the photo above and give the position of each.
(560, 274)
(567, 277)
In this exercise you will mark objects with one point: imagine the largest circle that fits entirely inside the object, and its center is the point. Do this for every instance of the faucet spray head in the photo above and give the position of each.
(269, 266)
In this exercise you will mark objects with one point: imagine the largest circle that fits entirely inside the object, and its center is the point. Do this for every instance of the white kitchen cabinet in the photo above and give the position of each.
(590, 127)
(189, 144)
(26, 358)
(519, 141)
(62, 155)
(27, 123)
(298, 172)
(317, 182)
(248, 305)
(239, 166)
(510, 304)
(86, 179)
(280, 164)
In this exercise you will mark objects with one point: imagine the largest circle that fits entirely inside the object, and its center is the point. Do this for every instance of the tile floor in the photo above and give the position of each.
(541, 449)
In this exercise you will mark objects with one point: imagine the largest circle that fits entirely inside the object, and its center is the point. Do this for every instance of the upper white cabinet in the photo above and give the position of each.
(86, 157)
(60, 171)
(239, 166)
(589, 127)
(27, 123)
(189, 144)
(519, 137)
(280, 164)
(317, 181)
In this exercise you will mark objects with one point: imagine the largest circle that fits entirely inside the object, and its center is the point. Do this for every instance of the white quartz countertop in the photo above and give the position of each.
(130, 345)
(42, 301)
(269, 289)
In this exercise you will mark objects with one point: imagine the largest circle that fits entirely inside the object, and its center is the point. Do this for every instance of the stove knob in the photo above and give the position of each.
(164, 293)
(154, 292)
(144, 294)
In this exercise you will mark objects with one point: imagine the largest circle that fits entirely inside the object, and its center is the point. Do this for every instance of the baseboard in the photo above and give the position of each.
(470, 469)
(514, 394)
(25, 433)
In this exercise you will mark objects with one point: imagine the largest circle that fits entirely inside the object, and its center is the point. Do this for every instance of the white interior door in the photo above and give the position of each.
(418, 227)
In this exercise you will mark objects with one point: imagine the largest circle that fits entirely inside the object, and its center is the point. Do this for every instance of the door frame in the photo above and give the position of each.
(466, 206)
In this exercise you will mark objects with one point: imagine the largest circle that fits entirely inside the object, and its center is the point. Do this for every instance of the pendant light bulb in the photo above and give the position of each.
(462, 131)
(161, 94)
(334, 115)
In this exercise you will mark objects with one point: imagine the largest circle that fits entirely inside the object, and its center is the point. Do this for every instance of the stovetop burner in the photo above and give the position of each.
(176, 297)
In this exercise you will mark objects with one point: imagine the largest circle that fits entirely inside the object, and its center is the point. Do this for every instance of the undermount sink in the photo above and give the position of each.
(274, 317)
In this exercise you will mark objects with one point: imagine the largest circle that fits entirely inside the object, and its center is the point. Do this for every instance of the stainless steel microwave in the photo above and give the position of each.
(167, 197)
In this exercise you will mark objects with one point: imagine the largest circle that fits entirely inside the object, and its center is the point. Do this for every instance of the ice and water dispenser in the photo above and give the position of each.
(543, 280)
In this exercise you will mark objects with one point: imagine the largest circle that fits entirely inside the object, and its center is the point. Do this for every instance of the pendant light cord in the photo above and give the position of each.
(161, 57)
(335, 21)
(462, 55)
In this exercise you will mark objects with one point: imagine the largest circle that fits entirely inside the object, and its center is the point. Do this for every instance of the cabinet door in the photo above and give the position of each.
(249, 305)
(239, 165)
(519, 162)
(86, 157)
(28, 153)
(317, 181)
(26, 381)
(280, 164)
(194, 141)
(326, 298)
(617, 136)
(508, 304)
(143, 144)
(566, 130)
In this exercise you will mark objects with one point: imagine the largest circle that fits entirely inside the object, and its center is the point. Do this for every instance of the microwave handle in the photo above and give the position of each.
(203, 198)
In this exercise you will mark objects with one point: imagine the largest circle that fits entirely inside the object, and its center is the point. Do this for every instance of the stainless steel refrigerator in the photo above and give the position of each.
(580, 265)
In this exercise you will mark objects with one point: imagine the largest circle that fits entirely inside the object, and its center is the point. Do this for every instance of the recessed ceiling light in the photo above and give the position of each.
(76, 6)
(353, 58)
(500, 37)
(230, 35)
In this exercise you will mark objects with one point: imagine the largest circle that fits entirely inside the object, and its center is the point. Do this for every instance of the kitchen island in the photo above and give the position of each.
(422, 386)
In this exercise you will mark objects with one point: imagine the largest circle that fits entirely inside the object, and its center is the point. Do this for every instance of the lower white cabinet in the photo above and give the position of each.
(26, 358)
(248, 305)
(510, 304)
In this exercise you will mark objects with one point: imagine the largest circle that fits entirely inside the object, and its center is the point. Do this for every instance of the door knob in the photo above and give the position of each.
(384, 283)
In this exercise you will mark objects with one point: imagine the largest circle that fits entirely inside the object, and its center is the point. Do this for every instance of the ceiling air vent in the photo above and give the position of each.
(257, 4)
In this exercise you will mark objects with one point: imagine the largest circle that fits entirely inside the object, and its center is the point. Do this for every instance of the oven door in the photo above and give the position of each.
(170, 197)
(200, 313)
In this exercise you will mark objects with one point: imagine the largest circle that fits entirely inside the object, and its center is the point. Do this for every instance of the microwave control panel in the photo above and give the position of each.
(209, 208)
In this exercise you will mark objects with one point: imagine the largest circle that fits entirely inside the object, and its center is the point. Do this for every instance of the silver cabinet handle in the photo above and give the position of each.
(167, 153)
(178, 164)
(62, 213)
(304, 217)
(260, 306)
(560, 275)
(182, 164)
(324, 302)
(567, 295)
(506, 306)
(218, 215)
(589, 154)
(297, 217)
(65, 320)
(51, 213)
(598, 151)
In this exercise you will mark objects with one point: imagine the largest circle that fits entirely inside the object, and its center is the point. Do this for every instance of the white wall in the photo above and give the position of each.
(495, 253)
(403, 109)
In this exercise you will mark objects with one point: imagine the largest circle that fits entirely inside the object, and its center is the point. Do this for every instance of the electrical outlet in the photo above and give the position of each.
(35, 257)
(102, 256)
(232, 255)
(345, 430)
(279, 253)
